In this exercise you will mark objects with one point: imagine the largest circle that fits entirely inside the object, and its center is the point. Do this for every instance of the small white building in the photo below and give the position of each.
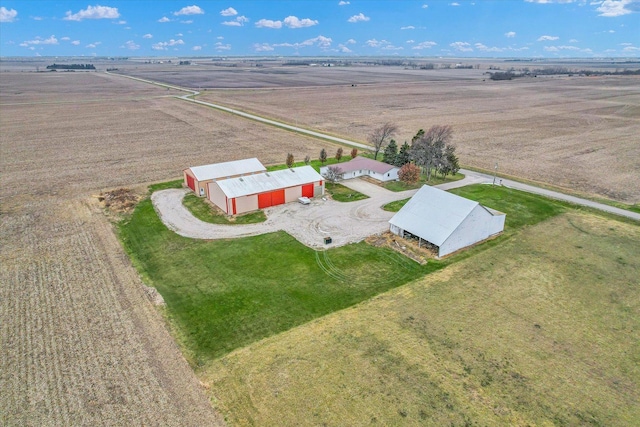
(263, 190)
(362, 166)
(445, 220)
(197, 177)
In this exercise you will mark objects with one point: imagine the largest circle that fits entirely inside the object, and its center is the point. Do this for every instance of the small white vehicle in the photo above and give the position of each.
(304, 200)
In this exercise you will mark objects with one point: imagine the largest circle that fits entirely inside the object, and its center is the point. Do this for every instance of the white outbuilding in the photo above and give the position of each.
(197, 177)
(362, 166)
(446, 220)
(263, 190)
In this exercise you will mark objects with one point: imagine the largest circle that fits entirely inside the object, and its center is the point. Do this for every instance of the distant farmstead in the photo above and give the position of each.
(197, 177)
(446, 220)
(266, 189)
(362, 166)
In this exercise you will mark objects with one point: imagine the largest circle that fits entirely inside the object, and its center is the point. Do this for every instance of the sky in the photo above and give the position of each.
(406, 28)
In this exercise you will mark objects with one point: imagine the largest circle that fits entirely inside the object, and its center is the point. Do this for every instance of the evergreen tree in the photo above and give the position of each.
(404, 156)
(390, 153)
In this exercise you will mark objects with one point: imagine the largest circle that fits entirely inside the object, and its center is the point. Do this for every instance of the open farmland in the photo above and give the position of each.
(575, 132)
(79, 342)
(541, 330)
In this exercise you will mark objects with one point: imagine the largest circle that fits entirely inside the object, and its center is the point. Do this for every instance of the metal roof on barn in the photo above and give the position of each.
(362, 163)
(227, 169)
(434, 214)
(268, 181)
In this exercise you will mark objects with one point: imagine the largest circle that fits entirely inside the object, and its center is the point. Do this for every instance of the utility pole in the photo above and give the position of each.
(495, 171)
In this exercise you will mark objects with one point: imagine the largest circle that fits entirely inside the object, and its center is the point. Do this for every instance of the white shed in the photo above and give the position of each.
(362, 166)
(445, 220)
(197, 177)
(263, 190)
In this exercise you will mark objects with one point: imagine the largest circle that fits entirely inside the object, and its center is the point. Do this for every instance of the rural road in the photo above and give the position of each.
(477, 177)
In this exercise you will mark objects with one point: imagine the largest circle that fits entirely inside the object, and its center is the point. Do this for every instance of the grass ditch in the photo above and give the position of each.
(206, 212)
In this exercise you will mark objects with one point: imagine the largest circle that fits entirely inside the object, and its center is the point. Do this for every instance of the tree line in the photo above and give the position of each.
(55, 66)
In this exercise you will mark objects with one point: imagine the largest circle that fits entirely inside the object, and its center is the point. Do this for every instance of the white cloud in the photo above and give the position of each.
(220, 38)
(167, 45)
(131, 45)
(221, 46)
(342, 48)
(262, 47)
(461, 46)
(358, 18)
(189, 10)
(196, 48)
(408, 27)
(484, 48)
(631, 49)
(189, 21)
(613, 8)
(7, 15)
(179, 34)
(510, 34)
(229, 12)
(294, 22)
(343, 3)
(375, 43)
(147, 36)
(164, 19)
(35, 18)
(454, 4)
(39, 41)
(351, 41)
(425, 6)
(239, 22)
(65, 38)
(573, 41)
(121, 22)
(267, 23)
(410, 41)
(547, 38)
(93, 12)
(75, 42)
(549, 1)
(424, 45)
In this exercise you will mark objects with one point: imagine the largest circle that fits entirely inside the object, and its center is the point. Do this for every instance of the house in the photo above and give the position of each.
(197, 177)
(445, 220)
(266, 189)
(362, 166)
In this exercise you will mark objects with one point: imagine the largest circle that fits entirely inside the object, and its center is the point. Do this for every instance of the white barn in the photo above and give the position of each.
(197, 177)
(362, 166)
(263, 190)
(445, 220)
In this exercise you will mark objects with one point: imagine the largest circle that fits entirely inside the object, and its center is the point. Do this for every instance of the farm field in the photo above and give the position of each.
(80, 342)
(574, 132)
(543, 329)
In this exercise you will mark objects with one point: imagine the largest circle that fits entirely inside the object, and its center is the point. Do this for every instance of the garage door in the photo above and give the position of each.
(307, 190)
(190, 183)
(273, 198)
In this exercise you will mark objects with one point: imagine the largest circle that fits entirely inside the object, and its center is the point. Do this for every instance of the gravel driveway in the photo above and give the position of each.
(344, 222)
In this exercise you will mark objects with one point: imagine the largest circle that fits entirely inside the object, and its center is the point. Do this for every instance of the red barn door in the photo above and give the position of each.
(264, 200)
(190, 183)
(277, 197)
(307, 190)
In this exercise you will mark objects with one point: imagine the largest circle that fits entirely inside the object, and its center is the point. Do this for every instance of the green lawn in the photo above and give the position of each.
(435, 180)
(202, 210)
(316, 164)
(340, 193)
(225, 294)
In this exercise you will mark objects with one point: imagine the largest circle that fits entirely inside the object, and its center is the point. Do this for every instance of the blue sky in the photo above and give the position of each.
(500, 28)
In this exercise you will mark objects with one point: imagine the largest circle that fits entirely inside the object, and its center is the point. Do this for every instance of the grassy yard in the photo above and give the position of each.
(316, 164)
(435, 180)
(226, 294)
(340, 193)
(543, 329)
(202, 210)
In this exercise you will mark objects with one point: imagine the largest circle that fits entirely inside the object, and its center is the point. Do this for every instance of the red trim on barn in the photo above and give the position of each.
(191, 182)
(233, 203)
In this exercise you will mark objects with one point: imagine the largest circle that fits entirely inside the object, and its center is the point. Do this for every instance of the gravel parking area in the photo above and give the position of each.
(344, 222)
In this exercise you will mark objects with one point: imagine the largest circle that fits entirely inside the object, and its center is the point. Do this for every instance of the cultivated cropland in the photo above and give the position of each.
(538, 327)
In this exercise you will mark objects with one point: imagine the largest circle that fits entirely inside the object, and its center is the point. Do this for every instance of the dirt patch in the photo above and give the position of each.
(409, 248)
(121, 200)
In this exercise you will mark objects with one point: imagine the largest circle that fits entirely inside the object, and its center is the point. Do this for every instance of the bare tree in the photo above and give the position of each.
(427, 148)
(333, 173)
(289, 160)
(339, 153)
(379, 137)
(307, 159)
(354, 153)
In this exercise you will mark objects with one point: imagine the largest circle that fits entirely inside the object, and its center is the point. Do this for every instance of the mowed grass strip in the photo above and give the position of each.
(542, 330)
(226, 294)
(206, 212)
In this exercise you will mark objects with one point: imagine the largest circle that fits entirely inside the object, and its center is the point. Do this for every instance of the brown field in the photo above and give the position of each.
(79, 342)
(580, 133)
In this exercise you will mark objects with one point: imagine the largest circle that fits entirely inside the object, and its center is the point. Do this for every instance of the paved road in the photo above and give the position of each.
(477, 177)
